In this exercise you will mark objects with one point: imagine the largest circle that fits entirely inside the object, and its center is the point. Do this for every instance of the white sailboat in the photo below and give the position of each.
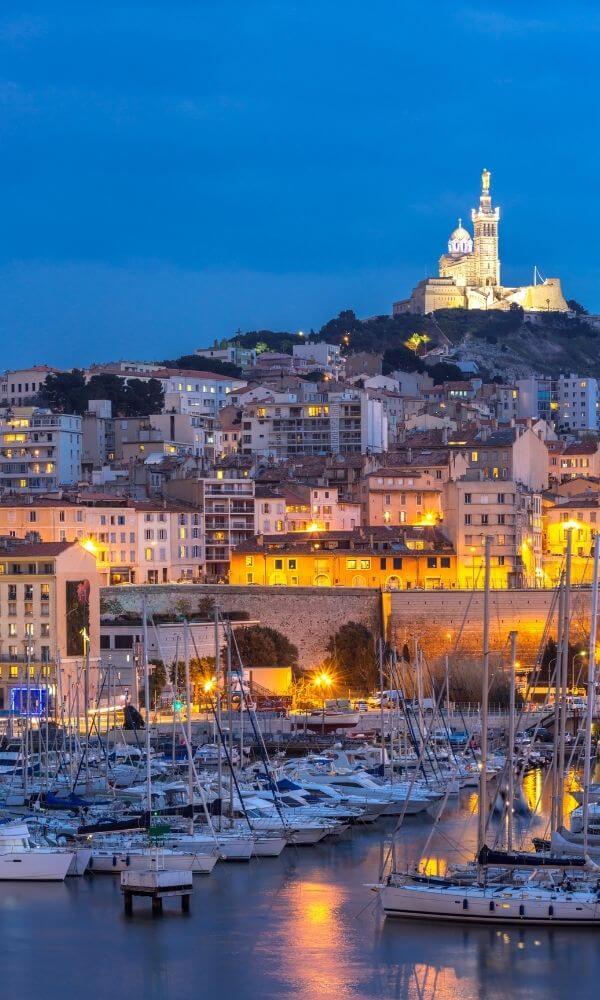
(23, 861)
(536, 895)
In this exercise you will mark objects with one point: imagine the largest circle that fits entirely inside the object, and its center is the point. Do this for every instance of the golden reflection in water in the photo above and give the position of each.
(433, 866)
(316, 952)
(419, 981)
(572, 783)
(473, 802)
(533, 782)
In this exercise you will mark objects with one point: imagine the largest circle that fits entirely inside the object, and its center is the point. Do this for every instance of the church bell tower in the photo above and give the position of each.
(485, 227)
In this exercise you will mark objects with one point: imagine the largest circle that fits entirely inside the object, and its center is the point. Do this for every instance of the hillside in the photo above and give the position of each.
(504, 344)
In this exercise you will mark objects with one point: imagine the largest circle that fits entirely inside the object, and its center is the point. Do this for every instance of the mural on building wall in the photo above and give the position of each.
(78, 615)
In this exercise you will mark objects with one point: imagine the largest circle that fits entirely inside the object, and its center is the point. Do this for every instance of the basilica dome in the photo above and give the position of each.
(460, 241)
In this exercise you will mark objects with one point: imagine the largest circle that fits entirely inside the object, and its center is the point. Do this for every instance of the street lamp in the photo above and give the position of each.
(324, 682)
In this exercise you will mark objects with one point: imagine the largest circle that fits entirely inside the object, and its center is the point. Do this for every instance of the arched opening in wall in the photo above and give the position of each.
(277, 579)
(322, 580)
(394, 583)
(359, 581)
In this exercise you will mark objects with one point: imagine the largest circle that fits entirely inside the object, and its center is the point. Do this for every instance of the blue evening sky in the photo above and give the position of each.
(171, 171)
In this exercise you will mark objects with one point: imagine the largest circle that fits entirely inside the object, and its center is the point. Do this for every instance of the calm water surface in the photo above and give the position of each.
(302, 925)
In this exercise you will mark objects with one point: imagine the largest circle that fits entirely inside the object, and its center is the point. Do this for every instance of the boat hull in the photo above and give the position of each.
(115, 862)
(35, 866)
(474, 905)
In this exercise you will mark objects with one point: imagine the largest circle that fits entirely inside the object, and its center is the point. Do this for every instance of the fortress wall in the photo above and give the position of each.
(308, 616)
(431, 616)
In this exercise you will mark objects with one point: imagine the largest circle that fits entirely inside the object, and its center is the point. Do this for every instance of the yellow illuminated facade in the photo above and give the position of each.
(317, 566)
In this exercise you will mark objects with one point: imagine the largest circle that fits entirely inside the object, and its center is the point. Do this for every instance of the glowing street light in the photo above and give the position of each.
(324, 681)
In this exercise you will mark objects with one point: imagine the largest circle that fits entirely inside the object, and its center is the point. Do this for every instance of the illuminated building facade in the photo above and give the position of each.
(394, 559)
(469, 273)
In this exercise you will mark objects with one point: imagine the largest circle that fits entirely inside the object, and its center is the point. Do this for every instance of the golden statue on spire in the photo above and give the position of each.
(485, 181)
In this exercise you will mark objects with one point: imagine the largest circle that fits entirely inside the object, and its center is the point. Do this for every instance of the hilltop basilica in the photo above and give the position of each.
(469, 274)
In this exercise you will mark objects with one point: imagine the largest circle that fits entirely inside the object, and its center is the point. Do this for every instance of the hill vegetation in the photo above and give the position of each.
(502, 343)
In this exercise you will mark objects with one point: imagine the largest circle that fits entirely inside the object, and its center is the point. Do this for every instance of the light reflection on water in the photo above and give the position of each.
(300, 926)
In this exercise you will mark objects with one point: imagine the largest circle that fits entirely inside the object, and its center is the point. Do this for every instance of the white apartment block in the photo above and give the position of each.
(39, 451)
(571, 402)
(316, 424)
(325, 356)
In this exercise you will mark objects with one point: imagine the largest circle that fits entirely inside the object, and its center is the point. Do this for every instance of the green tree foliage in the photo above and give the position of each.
(576, 307)
(280, 342)
(401, 359)
(134, 397)
(65, 391)
(351, 655)
(260, 646)
(577, 669)
(195, 363)
(444, 371)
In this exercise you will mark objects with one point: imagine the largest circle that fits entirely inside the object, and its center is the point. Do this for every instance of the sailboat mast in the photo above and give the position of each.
(218, 713)
(188, 721)
(484, 697)
(511, 742)
(381, 712)
(591, 695)
(564, 680)
(147, 704)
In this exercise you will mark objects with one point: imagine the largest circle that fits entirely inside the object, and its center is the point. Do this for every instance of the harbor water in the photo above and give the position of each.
(302, 925)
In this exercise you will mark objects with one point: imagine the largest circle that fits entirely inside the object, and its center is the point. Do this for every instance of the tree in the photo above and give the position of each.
(141, 398)
(65, 391)
(352, 657)
(194, 362)
(444, 371)
(260, 646)
(576, 307)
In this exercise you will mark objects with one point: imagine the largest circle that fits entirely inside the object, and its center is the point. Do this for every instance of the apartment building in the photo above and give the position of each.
(49, 594)
(570, 401)
(186, 390)
(224, 518)
(402, 495)
(98, 435)
(395, 559)
(39, 451)
(348, 421)
(475, 508)
(327, 357)
(581, 458)
(298, 507)
(20, 387)
(514, 453)
(132, 541)
(579, 515)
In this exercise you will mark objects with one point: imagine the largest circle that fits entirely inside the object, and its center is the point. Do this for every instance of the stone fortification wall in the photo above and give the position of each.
(448, 620)
(308, 616)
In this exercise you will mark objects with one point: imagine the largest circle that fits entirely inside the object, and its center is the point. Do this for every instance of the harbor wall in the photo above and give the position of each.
(442, 620)
(452, 621)
(308, 616)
